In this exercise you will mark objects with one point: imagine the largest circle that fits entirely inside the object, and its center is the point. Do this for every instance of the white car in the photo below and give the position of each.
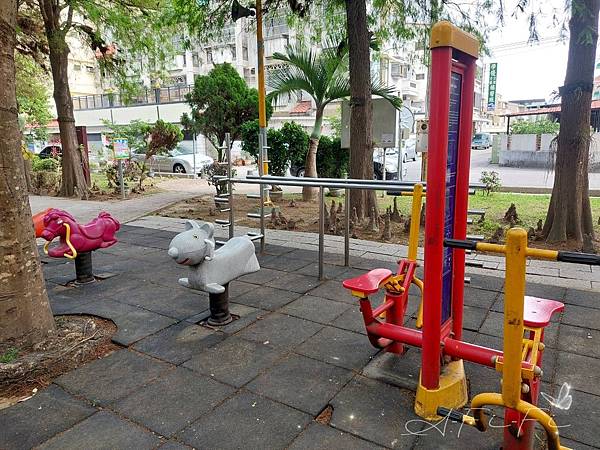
(179, 160)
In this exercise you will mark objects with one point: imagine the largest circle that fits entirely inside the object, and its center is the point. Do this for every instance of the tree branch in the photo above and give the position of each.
(69, 20)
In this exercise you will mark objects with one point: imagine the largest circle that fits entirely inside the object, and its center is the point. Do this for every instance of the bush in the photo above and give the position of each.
(542, 126)
(491, 181)
(47, 164)
(332, 160)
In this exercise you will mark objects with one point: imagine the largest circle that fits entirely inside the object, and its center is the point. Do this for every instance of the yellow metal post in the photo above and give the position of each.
(415, 222)
(514, 305)
(262, 107)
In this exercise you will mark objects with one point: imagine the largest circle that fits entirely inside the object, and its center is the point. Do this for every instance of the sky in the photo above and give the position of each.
(529, 70)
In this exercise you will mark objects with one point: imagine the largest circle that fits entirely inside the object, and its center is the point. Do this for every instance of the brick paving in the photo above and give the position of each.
(297, 348)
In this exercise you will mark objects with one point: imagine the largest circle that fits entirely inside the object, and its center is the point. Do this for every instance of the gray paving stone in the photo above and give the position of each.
(280, 330)
(133, 323)
(65, 305)
(487, 282)
(246, 421)
(267, 298)
(473, 317)
(329, 271)
(234, 361)
(339, 347)
(585, 379)
(580, 422)
(479, 297)
(350, 272)
(170, 403)
(237, 288)
(285, 263)
(309, 255)
(333, 290)
(374, 411)
(583, 341)
(295, 282)
(264, 275)
(105, 380)
(582, 298)
(103, 430)
(247, 315)
(351, 320)
(582, 317)
(319, 383)
(315, 309)
(396, 370)
(174, 445)
(30, 423)
(179, 342)
(318, 436)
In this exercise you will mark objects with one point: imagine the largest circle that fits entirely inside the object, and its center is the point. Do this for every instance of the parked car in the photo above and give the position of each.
(51, 151)
(391, 162)
(481, 141)
(409, 149)
(178, 160)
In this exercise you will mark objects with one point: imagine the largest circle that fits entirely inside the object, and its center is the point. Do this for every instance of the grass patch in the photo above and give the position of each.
(9, 356)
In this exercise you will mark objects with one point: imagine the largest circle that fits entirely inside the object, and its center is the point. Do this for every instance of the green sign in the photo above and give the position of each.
(491, 102)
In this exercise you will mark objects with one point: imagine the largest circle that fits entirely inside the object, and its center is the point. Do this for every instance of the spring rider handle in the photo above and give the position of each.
(73, 254)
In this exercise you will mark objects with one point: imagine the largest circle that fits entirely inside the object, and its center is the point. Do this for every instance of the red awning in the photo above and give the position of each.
(545, 110)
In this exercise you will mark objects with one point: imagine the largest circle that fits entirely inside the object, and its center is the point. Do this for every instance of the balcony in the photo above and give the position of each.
(171, 94)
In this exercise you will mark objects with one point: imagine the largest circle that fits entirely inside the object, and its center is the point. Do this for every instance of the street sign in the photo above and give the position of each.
(491, 103)
(121, 148)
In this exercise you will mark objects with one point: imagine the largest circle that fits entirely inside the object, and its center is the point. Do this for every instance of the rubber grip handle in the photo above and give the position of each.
(579, 258)
(459, 243)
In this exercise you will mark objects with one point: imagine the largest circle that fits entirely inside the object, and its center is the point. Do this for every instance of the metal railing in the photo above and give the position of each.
(347, 184)
(171, 94)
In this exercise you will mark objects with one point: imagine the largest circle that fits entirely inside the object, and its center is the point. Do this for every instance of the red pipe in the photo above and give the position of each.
(470, 352)
(441, 64)
(396, 333)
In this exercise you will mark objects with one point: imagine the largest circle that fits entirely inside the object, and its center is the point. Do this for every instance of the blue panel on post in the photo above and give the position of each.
(453, 131)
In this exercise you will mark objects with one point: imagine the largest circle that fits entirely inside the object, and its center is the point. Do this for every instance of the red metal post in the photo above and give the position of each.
(462, 191)
(441, 64)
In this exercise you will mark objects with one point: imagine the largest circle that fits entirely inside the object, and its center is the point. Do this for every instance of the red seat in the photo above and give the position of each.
(538, 311)
(369, 282)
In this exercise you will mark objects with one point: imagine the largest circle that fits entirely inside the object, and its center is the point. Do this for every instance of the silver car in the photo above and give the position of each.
(179, 160)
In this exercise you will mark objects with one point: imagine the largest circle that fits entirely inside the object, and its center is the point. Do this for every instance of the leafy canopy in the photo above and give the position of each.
(541, 126)
(286, 145)
(221, 102)
(32, 96)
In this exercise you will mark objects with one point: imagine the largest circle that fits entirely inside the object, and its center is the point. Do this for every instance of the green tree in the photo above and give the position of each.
(286, 145)
(569, 213)
(221, 103)
(32, 96)
(134, 28)
(324, 76)
(24, 307)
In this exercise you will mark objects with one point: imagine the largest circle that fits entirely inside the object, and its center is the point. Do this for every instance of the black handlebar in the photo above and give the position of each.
(579, 258)
(459, 243)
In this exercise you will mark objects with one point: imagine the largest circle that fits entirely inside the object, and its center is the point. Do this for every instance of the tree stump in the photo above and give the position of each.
(511, 215)
(498, 236)
(387, 231)
(395, 217)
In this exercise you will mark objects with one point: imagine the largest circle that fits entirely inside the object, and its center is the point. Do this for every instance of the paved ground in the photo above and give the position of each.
(258, 383)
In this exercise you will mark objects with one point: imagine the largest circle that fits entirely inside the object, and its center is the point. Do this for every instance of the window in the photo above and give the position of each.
(233, 52)
(90, 69)
(245, 52)
(77, 67)
(209, 56)
(420, 76)
(195, 59)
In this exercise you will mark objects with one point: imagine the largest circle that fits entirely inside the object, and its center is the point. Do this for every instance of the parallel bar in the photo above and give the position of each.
(470, 352)
(314, 182)
(321, 229)
(347, 230)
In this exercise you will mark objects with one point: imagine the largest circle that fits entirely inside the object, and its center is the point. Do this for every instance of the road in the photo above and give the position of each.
(511, 177)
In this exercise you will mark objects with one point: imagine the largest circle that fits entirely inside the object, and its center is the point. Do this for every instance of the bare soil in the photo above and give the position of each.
(303, 216)
(26, 368)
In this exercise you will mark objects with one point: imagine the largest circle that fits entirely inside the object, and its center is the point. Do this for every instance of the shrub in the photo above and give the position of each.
(47, 164)
(332, 159)
(491, 181)
(541, 126)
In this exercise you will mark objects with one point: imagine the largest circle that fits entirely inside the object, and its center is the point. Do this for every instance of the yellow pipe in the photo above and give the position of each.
(514, 304)
(539, 253)
(262, 109)
(415, 222)
(419, 322)
(530, 411)
(68, 240)
(490, 248)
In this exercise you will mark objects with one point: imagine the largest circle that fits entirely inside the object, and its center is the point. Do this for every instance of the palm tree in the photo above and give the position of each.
(324, 76)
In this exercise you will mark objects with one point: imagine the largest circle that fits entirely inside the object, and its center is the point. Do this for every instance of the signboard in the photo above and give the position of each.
(121, 148)
(451, 167)
(491, 102)
(385, 119)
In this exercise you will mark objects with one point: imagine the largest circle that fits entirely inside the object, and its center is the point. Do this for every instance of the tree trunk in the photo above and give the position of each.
(24, 308)
(569, 214)
(73, 179)
(361, 117)
(310, 194)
